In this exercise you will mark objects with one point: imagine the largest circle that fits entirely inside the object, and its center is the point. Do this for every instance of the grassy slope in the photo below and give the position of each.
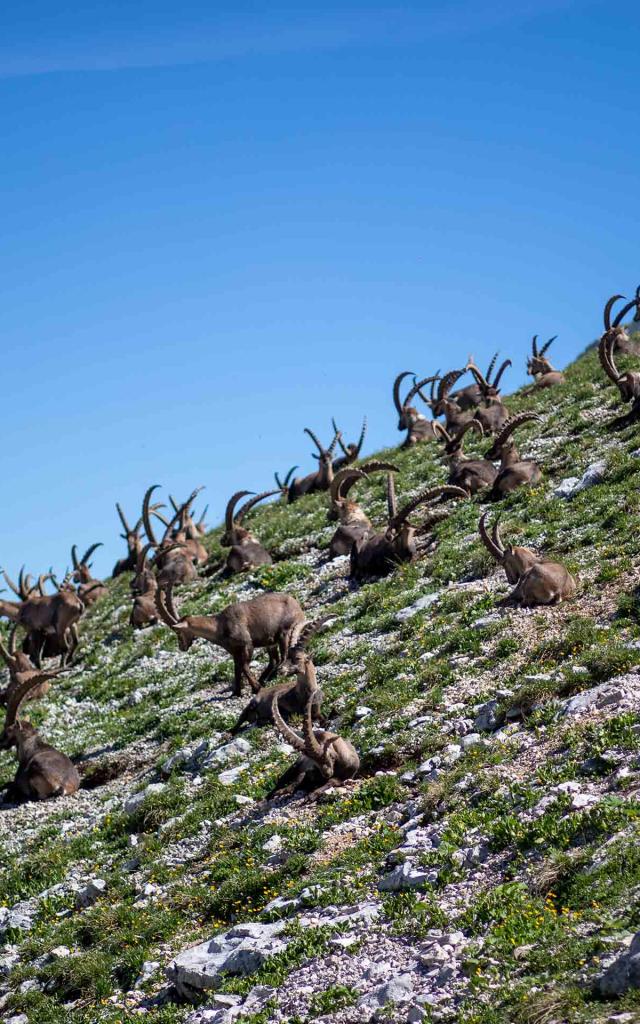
(136, 699)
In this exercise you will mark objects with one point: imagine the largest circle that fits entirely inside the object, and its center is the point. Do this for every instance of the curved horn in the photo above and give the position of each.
(313, 748)
(432, 392)
(492, 364)
(416, 390)
(396, 389)
(163, 611)
(534, 346)
(342, 477)
(363, 434)
(332, 447)
(480, 380)
(184, 508)
(314, 438)
(146, 516)
(392, 501)
(339, 432)
(123, 520)
(505, 366)
(472, 424)
(444, 434)
(624, 311)
(285, 730)
(428, 494)
(11, 584)
(608, 308)
(88, 553)
(74, 556)
(490, 543)
(248, 505)
(605, 354)
(19, 693)
(22, 584)
(547, 344)
(231, 504)
(447, 382)
(513, 424)
(141, 561)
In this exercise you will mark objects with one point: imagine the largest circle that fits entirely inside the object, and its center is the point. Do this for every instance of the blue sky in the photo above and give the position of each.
(222, 224)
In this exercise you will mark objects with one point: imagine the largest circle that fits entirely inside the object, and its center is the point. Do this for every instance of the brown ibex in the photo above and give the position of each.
(90, 590)
(132, 538)
(143, 589)
(445, 405)
(472, 475)
(246, 552)
(264, 621)
(492, 413)
(53, 614)
(350, 452)
(22, 589)
(43, 771)
(470, 397)
(514, 472)
(292, 696)
(176, 556)
(325, 760)
(353, 522)
(379, 553)
(628, 383)
(622, 342)
(539, 367)
(418, 427)
(537, 581)
(318, 481)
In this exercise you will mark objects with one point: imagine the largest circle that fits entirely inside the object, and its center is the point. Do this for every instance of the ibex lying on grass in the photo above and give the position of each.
(471, 396)
(379, 553)
(539, 367)
(143, 589)
(175, 558)
(354, 524)
(246, 552)
(318, 481)
(90, 590)
(350, 452)
(132, 538)
(264, 621)
(492, 413)
(325, 758)
(537, 581)
(445, 405)
(418, 427)
(472, 475)
(284, 485)
(514, 472)
(292, 696)
(22, 670)
(43, 771)
(628, 383)
(622, 343)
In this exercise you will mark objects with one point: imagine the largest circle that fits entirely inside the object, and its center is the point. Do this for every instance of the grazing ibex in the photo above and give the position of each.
(22, 669)
(537, 581)
(264, 621)
(90, 590)
(418, 427)
(471, 474)
(492, 413)
(628, 383)
(246, 552)
(353, 522)
(350, 452)
(325, 760)
(539, 367)
(321, 479)
(292, 696)
(43, 771)
(143, 589)
(378, 554)
(514, 472)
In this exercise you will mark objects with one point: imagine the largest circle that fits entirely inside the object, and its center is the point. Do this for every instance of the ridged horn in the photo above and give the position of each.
(547, 345)
(512, 424)
(230, 509)
(428, 494)
(396, 389)
(285, 730)
(146, 516)
(248, 505)
(490, 544)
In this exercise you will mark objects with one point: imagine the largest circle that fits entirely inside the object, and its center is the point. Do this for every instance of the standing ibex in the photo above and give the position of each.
(537, 580)
(353, 522)
(325, 758)
(321, 479)
(628, 383)
(350, 452)
(246, 552)
(90, 590)
(292, 696)
(264, 621)
(43, 771)
(418, 427)
(55, 615)
(471, 474)
(539, 367)
(379, 553)
(514, 472)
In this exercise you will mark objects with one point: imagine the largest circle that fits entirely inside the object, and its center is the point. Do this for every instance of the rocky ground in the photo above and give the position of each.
(484, 867)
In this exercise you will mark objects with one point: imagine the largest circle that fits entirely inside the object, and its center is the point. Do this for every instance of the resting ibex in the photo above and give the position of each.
(318, 481)
(628, 383)
(292, 696)
(379, 553)
(43, 771)
(514, 472)
(284, 485)
(132, 538)
(537, 581)
(176, 556)
(492, 413)
(354, 524)
(472, 475)
(143, 589)
(471, 396)
(350, 452)
(264, 621)
(246, 552)
(622, 343)
(325, 758)
(22, 669)
(418, 427)
(539, 367)
(90, 590)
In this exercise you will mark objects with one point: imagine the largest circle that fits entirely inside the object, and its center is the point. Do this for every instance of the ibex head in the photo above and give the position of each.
(235, 532)
(82, 566)
(490, 388)
(344, 480)
(537, 362)
(350, 452)
(406, 412)
(324, 455)
(504, 438)
(453, 442)
(283, 485)
(169, 615)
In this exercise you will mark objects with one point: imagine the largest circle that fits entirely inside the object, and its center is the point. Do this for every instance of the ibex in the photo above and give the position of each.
(623, 344)
(292, 696)
(192, 529)
(9, 609)
(353, 522)
(539, 367)
(143, 589)
(43, 771)
(325, 758)
(132, 538)
(472, 475)
(445, 405)
(514, 472)
(471, 396)
(492, 413)
(22, 589)
(53, 614)
(628, 383)
(418, 427)
(379, 553)
(284, 485)
(318, 481)
(90, 590)
(264, 621)
(176, 556)
(246, 552)
(537, 581)
(350, 452)
(22, 669)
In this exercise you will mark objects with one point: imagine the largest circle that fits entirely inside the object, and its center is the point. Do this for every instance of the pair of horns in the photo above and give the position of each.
(608, 309)
(538, 353)
(87, 555)
(306, 744)
(284, 487)
(396, 518)
(344, 480)
(351, 452)
(483, 382)
(492, 542)
(147, 509)
(323, 452)
(417, 385)
(166, 607)
(233, 518)
(511, 425)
